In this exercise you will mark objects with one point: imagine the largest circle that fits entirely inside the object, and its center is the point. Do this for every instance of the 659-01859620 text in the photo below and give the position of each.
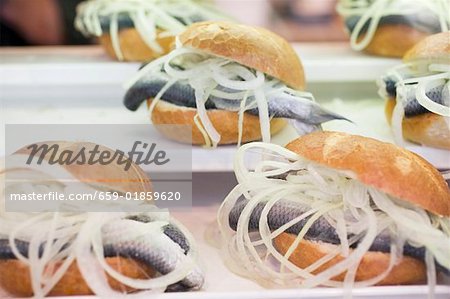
(97, 195)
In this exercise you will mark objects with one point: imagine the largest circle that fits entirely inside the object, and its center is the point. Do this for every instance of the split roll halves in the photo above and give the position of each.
(337, 210)
(232, 83)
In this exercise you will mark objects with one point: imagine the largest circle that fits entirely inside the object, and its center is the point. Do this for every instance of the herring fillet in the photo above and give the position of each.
(163, 254)
(282, 105)
(284, 211)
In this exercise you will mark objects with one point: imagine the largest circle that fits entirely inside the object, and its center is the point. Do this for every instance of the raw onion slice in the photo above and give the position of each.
(425, 101)
(147, 17)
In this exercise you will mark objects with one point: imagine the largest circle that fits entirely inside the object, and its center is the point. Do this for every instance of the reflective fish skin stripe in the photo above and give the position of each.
(163, 255)
(148, 244)
(438, 94)
(178, 94)
(284, 211)
(22, 246)
(284, 105)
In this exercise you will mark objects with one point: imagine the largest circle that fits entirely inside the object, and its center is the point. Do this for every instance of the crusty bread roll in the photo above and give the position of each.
(388, 168)
(225, 122)
(407, 271)
(436, 47)
(133, 47)
(15, 276)
(427, 129)
(393, 40)
(253, 47)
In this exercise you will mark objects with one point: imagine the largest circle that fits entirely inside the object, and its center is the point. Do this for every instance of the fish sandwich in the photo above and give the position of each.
(417, 94)
(140, 30)
(392, 27)
(232, 83)
(338, 210)
(107, 253)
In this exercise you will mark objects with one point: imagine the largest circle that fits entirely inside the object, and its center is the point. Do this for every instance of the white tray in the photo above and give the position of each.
(324, 62)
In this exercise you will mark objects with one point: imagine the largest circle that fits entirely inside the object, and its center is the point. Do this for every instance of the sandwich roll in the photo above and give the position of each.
(225, 122)
(338, 210)
(87, 252)
(391, 27)
(232, 83)
(139, 30)
(417, 94)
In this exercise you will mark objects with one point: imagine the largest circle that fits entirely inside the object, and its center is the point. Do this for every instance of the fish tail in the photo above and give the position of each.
(303, 128)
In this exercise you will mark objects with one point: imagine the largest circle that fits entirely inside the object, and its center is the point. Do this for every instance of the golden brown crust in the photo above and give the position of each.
(427, 129)
(393, 40)
(407, 271)
(15, 277)
(133, 46)
(225, 122)
(391, 169)
(253, 47)
(436, 46)
(112, 176)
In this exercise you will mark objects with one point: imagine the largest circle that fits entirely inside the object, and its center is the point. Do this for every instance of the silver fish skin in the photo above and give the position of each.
(426, 21)
(439, 94)
(163, 251)
(178, 94)
(321, 230)
(285, 105)
(307, 115)
(141, 241)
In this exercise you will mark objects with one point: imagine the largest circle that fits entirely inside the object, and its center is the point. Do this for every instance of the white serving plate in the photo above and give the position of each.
(208, 191)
